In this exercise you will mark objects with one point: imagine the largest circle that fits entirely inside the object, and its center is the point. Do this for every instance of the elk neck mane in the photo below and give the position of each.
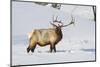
(59, 33)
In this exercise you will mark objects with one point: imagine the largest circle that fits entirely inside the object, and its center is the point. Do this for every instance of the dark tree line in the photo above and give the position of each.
(94, 12)
(58, 6)
(54, 5)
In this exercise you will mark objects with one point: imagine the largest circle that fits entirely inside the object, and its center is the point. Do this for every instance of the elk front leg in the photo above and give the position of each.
(32, 50)
(28, 49)
(31, 47)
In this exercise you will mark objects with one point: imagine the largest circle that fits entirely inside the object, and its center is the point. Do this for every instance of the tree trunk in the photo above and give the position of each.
(94, 12)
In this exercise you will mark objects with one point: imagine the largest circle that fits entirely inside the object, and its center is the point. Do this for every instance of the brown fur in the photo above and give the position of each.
(43, 37)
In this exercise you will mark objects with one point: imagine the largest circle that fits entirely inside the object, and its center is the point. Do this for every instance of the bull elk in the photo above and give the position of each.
(43, 37)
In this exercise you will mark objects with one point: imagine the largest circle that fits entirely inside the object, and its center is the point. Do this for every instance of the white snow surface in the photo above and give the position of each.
(42, 55)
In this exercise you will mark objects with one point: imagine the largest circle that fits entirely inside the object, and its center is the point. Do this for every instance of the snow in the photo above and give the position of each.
(78, 43)
(42, 55)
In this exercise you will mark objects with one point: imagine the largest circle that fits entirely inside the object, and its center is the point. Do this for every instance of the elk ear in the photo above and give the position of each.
(53, 24)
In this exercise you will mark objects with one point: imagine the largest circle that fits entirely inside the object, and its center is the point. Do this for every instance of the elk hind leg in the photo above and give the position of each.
(54, 48)
(51, 48)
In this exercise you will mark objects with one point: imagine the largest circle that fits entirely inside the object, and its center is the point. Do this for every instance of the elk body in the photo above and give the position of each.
(43, 37)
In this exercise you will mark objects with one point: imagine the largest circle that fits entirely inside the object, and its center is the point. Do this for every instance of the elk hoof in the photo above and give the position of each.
(32, 50)
(28, 50)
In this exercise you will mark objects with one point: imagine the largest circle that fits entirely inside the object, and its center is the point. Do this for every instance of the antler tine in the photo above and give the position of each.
(72, 22)
(73, 19)
(53, 18)
(56, 17)
(61, 22)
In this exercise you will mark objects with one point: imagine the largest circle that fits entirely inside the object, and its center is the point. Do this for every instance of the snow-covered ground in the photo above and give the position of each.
(66, 52)
(78, 43)
(69, 52)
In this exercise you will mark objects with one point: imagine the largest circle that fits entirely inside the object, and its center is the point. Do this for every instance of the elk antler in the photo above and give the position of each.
(72, 22)
(62, 25)
(53, 24)
(54, 20)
